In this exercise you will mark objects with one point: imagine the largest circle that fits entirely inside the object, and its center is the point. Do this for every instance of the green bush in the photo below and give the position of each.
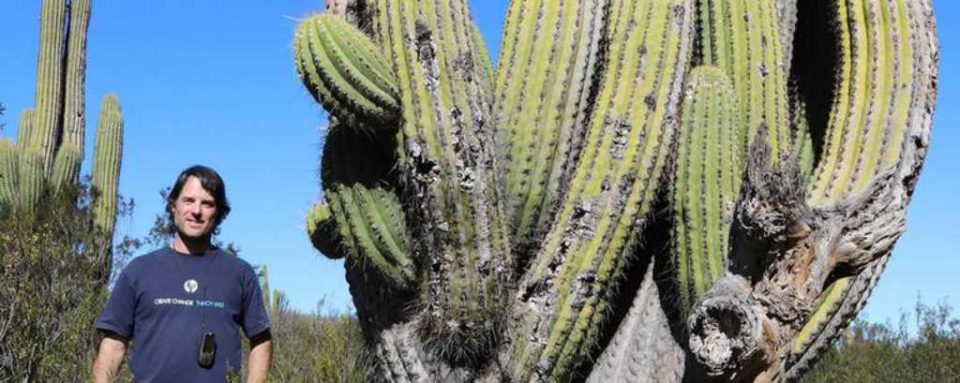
(54, 267)
(316, 347)
(871, 352)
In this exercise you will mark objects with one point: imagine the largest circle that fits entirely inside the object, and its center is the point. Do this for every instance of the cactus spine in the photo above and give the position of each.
(707, 181)
(497, 227)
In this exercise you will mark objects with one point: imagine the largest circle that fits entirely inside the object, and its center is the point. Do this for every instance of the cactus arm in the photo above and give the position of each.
(24, 129)
(74, 113)
(108, 151)
(340, 67)
(838, 230)
(66, 166)
(365, 208)
(905, 145)
(612, 189)
(705, 186)
(8, 173)
(744, 40)
(49, 99)
(543, 131)
(31, 180)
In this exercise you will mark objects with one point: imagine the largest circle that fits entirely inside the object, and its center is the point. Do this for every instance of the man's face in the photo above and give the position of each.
(194, 210)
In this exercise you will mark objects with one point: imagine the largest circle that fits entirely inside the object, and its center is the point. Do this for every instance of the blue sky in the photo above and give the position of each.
(213, 82)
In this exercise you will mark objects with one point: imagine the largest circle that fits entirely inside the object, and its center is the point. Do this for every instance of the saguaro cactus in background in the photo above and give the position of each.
(643, 190)
(50, 139)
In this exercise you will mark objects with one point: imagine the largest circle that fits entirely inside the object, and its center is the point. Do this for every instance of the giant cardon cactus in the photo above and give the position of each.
(49, 148)
(642, 190)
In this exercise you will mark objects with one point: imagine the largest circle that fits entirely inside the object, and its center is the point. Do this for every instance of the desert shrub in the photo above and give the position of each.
(873, 352)
(54, 267)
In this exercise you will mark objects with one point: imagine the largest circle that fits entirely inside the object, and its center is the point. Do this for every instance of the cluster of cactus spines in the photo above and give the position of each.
(611, 193)
(366, 210)
(108, 150)
(50, 139)
(706, 181)
(345, 72)
(743, 38)
(579, 131)
(549, 58)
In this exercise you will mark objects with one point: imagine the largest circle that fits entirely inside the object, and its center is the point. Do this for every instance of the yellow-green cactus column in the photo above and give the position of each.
(706, 181)
(108, 151)
(566, 292)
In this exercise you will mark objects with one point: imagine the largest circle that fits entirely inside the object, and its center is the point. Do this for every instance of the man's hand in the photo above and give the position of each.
(109, 357)
(261, 355)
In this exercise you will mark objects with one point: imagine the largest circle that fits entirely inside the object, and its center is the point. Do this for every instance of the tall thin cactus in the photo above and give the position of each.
(643, 190)
(49, 149)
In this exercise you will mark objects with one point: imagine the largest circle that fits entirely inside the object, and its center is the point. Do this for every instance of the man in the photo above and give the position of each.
(182, 305)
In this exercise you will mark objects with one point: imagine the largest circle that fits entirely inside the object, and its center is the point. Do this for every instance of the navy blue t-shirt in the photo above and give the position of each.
(164, 302)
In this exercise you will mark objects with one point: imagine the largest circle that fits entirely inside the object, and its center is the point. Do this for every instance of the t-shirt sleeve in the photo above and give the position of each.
(254, 317)
(118, 314)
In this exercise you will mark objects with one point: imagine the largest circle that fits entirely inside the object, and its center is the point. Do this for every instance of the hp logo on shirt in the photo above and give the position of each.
(190, 286)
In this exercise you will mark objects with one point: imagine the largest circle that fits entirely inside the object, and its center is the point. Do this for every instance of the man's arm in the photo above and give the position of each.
(261, 356)
(110, 355)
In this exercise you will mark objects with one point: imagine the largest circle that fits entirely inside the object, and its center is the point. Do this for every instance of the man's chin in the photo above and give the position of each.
(193, 236)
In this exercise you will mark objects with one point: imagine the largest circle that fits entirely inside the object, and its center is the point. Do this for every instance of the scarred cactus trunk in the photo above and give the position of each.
(644, 190)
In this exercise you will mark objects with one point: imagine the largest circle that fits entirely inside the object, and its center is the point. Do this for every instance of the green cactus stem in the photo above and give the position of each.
(549, 58)
(743, 38)
(107, 153)
(49, 100)
(74, 111)
(8, 173)
(446, 156)
(878, 79)
(707, 184)
(31, 180)
(24, 129)
(345, 73)
(364, 206)
(612, 190)
(880, 120)
(66, 166)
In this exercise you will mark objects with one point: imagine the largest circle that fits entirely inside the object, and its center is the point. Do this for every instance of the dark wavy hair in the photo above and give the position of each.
(211, 182)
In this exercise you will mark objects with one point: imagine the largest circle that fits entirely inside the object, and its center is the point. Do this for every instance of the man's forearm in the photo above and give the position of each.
(109, 358)
(258, 363)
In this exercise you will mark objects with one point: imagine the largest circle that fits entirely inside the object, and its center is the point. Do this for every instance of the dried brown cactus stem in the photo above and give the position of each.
(785, 256)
